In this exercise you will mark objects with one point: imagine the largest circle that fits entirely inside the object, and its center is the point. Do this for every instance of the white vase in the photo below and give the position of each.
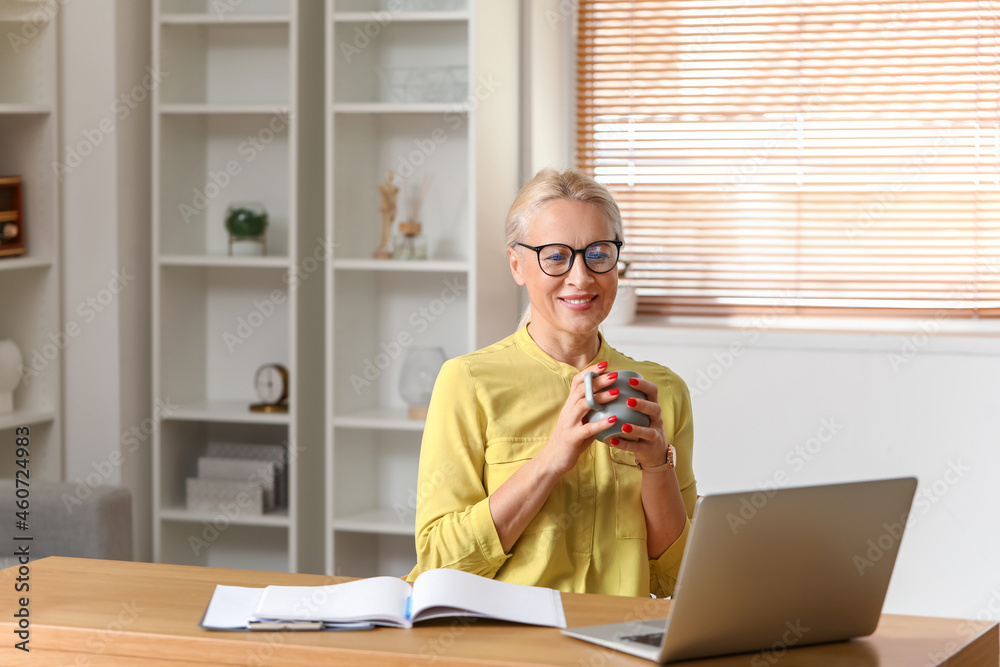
(623, 311)
(416, 378)
(10, 374)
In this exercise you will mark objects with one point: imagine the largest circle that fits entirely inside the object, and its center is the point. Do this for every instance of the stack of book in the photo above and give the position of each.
(246, 478)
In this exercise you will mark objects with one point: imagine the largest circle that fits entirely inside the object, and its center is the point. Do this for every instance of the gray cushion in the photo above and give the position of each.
(66, 519)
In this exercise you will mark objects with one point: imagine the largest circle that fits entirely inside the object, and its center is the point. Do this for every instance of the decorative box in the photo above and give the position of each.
(220, 496)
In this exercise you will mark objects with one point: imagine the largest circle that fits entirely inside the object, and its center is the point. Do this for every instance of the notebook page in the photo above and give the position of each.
(231, 607)
(444, 592)
(380, 599)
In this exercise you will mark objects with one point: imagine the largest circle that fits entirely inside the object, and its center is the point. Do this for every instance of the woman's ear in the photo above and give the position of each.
(515, 266)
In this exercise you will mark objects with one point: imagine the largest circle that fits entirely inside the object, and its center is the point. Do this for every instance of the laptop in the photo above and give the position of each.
(775, 569)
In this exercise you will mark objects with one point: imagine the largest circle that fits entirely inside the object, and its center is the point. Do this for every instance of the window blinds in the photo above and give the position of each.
(798, 156)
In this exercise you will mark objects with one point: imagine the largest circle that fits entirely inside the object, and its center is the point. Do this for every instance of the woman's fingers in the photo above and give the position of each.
(651, 391)
(647, 407)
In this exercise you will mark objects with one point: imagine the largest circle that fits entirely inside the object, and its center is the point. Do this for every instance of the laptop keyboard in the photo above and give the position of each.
(651, 638)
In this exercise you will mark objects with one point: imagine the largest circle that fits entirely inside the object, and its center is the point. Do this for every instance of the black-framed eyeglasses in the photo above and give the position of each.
(556, 259)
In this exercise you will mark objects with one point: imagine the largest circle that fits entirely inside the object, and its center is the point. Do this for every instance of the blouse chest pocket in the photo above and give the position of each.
(503, 458)
(630, 520)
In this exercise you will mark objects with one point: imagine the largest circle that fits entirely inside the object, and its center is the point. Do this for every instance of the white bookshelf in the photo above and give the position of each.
(30, 291)
(376, 124)
(236, 119)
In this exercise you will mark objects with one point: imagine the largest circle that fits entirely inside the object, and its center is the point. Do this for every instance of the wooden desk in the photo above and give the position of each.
(92, 612)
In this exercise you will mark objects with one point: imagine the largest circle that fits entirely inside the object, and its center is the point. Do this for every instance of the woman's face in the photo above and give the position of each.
(579, 300)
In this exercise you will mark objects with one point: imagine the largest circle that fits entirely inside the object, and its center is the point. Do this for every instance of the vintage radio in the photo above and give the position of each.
(11, 217)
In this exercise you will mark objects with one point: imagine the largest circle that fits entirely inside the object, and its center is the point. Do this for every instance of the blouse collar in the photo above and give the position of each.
(528, 344)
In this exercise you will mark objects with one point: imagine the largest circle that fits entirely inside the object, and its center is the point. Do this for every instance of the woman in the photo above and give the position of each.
(512, 484)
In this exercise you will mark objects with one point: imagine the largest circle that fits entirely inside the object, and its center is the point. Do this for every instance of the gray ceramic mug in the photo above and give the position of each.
(617, 407)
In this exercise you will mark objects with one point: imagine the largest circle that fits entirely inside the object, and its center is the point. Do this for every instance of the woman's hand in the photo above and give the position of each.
(662, 502)
(516, 502)
(572, 434)
(649, 443)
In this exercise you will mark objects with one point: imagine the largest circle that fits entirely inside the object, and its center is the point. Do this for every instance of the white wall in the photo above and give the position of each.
(497, 127)
(104, 53)
(788, 408)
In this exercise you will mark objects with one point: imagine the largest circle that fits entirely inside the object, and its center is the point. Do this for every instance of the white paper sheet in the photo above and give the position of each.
(231, 607)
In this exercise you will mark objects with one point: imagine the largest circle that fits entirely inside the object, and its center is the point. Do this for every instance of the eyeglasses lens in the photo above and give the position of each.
(599, 257)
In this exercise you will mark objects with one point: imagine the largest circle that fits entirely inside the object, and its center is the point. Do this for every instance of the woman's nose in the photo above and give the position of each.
(579, 274)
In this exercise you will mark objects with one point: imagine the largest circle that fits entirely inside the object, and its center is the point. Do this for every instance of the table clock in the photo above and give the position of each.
(271, 384)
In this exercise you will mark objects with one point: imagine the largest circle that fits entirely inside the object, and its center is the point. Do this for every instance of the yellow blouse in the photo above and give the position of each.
(493, 410)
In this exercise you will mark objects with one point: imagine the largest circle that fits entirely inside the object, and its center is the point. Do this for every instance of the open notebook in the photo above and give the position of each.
(387, 601)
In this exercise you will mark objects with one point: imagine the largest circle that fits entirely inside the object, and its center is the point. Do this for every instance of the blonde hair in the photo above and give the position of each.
(547, 186)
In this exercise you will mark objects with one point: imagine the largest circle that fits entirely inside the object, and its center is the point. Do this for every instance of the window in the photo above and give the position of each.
(804, 157)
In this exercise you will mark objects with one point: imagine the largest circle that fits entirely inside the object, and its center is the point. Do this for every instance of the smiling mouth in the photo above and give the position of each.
(578, 302)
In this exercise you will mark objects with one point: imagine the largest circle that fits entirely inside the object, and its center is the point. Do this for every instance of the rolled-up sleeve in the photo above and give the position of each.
(663, 571)
(454, 527)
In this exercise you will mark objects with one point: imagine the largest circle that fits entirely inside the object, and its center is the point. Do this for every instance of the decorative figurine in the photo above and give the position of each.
(389, 192)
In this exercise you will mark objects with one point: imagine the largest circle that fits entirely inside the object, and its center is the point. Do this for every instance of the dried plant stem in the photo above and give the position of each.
(418, 202)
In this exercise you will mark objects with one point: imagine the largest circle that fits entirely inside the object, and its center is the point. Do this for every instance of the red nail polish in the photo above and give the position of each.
(612, 419)
(613, 376)
(633, 381)
(614, 441)
(601, 366)
(613, 392)
(632, 402)
(627, 428)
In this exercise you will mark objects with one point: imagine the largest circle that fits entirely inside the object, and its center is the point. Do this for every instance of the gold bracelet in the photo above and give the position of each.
(669, 465)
